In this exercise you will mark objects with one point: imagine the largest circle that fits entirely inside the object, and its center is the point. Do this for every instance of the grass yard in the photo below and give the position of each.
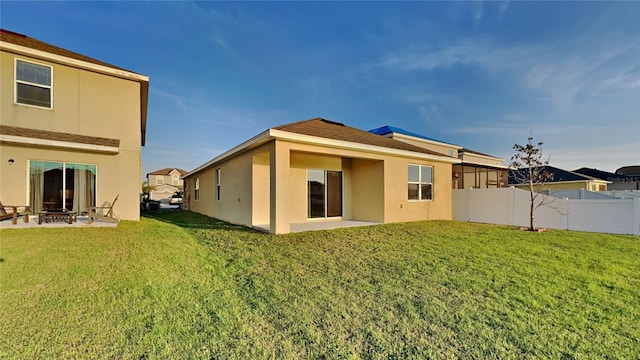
(181, 285)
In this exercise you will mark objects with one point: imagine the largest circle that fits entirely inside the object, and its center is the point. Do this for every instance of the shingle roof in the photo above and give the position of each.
(383, 130)
(58, 136)
(598, 174)
(26, 41)
(337, 131)
(166, 171)
(558, 174)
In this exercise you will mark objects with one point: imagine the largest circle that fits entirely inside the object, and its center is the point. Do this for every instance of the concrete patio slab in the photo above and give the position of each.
(321, 225)
(81, 221)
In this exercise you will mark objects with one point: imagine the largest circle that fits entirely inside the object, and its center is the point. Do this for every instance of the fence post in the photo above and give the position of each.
(636, 216)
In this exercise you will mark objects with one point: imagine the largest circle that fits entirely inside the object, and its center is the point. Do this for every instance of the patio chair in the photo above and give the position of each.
(15, 212)
(103, 213)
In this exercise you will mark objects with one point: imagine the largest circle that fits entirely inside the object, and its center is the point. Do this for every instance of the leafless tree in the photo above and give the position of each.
(529, 168)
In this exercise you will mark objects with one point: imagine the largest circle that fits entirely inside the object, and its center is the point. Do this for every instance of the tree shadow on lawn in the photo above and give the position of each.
(191, 220)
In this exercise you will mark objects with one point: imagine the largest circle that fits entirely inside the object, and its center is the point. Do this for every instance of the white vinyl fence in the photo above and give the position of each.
(510, 206)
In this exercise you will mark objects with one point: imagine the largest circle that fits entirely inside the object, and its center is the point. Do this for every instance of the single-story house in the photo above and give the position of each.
(320, 170)
(560, 180)
(618, 181)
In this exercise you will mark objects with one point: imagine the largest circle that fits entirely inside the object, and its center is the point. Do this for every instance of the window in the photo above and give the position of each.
(33, 84)
(217, 184)
(196, 191)
(420, 184)
(159, 180)
(175, 179)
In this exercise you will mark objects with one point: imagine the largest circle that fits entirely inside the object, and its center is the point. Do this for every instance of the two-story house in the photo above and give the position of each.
(71, 129)
(165, 182)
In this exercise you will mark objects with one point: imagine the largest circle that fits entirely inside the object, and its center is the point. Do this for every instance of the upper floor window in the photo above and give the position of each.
(33, 84)
(159, 180)
(175, 179)
(420, 184)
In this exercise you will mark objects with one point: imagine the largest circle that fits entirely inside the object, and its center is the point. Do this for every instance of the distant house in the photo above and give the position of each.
(618, 181)
(632, 170)
(71, 129)
(562, 180)
(165, 182)
(321, 170)
(476, 170)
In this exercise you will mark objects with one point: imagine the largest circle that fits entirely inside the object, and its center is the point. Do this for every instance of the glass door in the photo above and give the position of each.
(324, 190)
(59, 185)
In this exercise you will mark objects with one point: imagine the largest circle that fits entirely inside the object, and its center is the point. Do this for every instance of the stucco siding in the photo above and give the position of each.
(84, 103)
(14, 178)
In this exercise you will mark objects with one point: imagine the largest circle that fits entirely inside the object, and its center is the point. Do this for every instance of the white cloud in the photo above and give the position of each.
(558, 73)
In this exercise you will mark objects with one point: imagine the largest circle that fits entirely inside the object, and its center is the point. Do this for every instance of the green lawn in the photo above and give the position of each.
(186, 286)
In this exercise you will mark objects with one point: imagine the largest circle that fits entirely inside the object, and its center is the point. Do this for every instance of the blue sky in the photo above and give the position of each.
(483, 75)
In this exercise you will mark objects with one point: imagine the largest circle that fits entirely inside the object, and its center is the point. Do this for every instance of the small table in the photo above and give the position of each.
(56, 216)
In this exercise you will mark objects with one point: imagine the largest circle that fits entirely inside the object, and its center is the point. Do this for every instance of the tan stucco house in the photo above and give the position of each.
(475, 170)
(165, 182)
(321, 170)
(71, 129)
(560, 179)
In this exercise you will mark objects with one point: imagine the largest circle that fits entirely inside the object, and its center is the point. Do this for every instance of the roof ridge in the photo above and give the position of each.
(19, 39)
(350, 134)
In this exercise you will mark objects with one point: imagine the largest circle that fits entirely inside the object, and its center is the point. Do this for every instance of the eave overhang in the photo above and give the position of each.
(51, 139)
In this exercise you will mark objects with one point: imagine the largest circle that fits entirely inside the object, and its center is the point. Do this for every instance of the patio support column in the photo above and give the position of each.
(279, 188)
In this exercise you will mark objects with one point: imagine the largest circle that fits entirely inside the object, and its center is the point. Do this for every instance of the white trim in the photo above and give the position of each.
(471, 164)
(420, 182)
(396, 135)
(57, 143)
(341, 144)
(16, 82)
(73, 62)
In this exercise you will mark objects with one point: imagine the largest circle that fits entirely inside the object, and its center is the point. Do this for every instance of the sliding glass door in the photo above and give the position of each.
(324, 193)
(61, 185)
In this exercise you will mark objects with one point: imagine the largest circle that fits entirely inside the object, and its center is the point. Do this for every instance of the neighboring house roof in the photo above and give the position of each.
(598, 174)
(20, 135)
(605, 175)
(633, 170)
(167, 171)
(323, 132)
(22, 44)
(558, 175)
(384, 130)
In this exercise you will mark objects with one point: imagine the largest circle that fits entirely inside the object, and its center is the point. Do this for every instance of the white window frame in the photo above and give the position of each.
(175, 179)
(16, 82)
(420, 182)
(159, 180)
(196, 189)
(218, 187)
